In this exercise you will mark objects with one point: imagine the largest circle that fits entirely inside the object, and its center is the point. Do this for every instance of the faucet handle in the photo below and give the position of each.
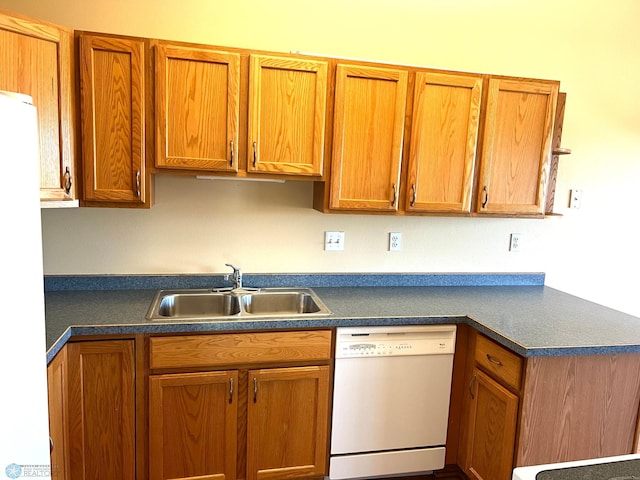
(236, 276)
(235, 269)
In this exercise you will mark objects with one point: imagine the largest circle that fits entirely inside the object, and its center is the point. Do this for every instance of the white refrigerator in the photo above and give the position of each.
(24, 424)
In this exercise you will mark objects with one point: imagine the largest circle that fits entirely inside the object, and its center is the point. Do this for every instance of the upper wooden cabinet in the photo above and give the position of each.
(444, 135)
(197, 108)
(516, 146)
(112, 101)
(287, 110)
(368, 132)
(36, 60)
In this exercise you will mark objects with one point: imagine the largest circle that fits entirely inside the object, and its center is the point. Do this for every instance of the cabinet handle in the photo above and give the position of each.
(255, 154)
(67, 181)
(50, 445)
(474, 379)
(231, 390)
(231, 157)
(255, 389)
(395, 194)
(138, 184)
(494, 360)
(486, 196)
(413, 195)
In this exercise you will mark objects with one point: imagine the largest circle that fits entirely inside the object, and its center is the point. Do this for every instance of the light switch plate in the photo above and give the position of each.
(333, 241)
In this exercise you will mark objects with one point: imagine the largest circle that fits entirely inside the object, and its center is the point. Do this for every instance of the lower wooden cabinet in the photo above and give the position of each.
(193, 429)
(492, 429)
(287, 422)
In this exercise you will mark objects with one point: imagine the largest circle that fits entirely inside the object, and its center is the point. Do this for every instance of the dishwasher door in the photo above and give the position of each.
(390, 403)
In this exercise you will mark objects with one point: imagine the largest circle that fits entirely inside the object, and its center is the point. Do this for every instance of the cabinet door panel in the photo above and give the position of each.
(112, 93)
(367, 138)
(36, 61)
(57, 393)
(287, 422)
(443, 142)
(101, 410)
(192, 425)
(197, 108)
(517, 146)
(492, 430)
(287, 104)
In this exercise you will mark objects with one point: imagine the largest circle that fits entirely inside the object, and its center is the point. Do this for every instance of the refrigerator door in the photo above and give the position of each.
(24, 432)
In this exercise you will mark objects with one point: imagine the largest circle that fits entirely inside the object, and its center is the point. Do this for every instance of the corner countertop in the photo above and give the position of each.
(523, 315)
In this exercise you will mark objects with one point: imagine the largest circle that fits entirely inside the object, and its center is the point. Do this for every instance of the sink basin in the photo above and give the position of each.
(204, 304)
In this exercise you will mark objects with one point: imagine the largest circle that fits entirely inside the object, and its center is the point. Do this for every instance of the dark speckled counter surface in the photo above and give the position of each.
(517, 311)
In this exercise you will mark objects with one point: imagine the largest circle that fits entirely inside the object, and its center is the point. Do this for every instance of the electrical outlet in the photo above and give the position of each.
(575, 199)
(515, 243)
(334, 241)
(395, 241)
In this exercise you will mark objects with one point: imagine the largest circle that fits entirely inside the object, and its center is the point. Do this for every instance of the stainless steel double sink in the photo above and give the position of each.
(236, 304)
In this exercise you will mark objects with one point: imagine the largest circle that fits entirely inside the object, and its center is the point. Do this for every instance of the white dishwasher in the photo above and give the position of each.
(390, 400)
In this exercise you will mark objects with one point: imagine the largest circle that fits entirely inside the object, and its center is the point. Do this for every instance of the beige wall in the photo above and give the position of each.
(197, 226)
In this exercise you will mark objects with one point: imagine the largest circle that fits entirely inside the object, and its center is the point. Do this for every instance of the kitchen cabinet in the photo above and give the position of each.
(287, 111)
(197, 106)
(254, 406)
(290, 405)
(520, 412)
(516, 147)
(193, 430)
(492, 411)
(92, 410)
(58, 408)
(37, 60)
(113, 116)
(444, 135)
(368, 132)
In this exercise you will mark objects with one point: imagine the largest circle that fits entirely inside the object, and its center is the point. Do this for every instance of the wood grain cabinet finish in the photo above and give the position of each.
(112, 100)
(491, 429)
(287, 111)
(197, 93)
(516, 146)
(37, 60)
(57, 385)
(101, 405)
(287, 422)
(444, 136)
(192, 428)
(368, 132)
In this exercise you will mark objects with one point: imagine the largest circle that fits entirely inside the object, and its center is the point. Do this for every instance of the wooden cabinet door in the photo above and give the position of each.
(446, 110)
(287, 105)
(516, 146)
(192, 426)
(287, 422)
(113, 119)
(491, 429)
(101, 410)
(368, 133)
(57, 392)
(197, 108)
(36, 60)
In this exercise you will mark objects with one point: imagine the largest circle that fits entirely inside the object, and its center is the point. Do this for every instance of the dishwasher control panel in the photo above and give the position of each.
(395, 341)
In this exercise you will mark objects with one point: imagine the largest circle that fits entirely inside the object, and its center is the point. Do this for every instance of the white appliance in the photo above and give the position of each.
(391, 400)
(24, 423)
(622, 467)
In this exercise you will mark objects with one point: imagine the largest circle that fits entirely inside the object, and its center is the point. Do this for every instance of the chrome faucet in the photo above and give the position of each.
(235, 277)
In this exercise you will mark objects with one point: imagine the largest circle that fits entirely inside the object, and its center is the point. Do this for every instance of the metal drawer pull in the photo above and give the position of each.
(494, 360)
(395, 195)
(255, 154)
(231, 160)
(474, 379)
(486, 196)
(67, 181)
(138, 184)
(255, 389)
(414, 194)
(231, 390)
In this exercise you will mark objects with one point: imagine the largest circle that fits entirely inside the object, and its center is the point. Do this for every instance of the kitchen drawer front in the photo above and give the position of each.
(229, 349)
(501, 363)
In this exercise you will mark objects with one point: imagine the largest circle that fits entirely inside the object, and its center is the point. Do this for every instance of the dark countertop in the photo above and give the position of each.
(532, 320)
